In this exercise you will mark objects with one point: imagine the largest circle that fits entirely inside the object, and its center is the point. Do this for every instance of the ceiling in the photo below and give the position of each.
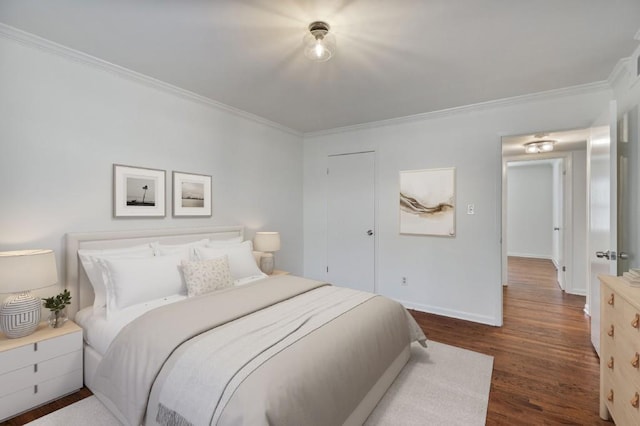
(395, 58)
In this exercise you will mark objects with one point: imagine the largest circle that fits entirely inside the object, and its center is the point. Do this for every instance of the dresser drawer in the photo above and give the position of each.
(627, 410)
(611, 304)
(33, 353)
(26, 399)
(37, 373)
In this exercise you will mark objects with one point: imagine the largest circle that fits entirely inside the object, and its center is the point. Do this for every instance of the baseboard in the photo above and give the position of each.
(482, 319)
(580, 292)
(532, 256)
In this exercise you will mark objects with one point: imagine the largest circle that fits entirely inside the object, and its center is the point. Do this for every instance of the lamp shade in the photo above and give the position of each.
(26, 270)
(267, 241)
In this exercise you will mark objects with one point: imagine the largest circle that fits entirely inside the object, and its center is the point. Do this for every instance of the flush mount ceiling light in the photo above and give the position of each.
(539, 146)
(319, 44)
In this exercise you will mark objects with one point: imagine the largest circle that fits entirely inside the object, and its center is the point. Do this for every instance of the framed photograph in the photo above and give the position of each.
(427, 202)
(191, 195)
(138, 192)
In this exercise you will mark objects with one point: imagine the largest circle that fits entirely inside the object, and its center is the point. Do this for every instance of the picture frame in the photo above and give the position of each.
(138, 191)
(192, 195)
(427, 202)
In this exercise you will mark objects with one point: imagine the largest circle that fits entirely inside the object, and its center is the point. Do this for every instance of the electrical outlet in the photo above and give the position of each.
(404, 281)
(471, 209)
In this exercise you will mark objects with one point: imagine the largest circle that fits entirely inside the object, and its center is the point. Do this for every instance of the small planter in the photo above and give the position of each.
(57, 318)
(58, 307)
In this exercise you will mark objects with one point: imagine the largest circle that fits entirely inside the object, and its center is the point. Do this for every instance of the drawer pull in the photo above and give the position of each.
(611, 298)
(635, 361)
(635, 402)
(610, 332)
(35, 347)
(636, 321)
(610, 363)
(610, 396)
(35, 389)
(35, 367)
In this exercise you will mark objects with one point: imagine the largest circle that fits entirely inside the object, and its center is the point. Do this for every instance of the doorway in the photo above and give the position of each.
(564, 230)
(351, 220)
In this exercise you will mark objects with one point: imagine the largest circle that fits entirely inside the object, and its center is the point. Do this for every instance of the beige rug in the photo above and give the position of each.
(442, 385)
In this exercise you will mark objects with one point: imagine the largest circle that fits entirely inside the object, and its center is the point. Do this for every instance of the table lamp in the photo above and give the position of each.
(267, 242)
(20, 272)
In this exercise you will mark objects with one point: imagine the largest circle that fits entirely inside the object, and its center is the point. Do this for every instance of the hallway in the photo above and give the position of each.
(545, 369)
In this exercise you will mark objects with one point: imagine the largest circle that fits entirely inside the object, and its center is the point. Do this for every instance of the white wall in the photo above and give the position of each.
(64, 123)
(530, 210)
(461, 276)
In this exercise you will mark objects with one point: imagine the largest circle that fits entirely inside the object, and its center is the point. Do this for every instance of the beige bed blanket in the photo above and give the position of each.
(335, 366)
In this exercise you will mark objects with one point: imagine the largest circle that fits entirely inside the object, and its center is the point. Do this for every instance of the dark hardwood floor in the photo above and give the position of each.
(545, 371)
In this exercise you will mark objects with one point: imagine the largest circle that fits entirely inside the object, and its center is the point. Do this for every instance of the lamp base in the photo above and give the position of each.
(266, 263)
(20, 315)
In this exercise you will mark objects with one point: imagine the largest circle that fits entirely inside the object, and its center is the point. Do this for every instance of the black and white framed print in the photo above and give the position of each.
(191, 195)
(138, 192)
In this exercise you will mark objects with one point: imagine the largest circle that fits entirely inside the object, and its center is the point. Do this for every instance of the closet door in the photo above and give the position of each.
(351, 220)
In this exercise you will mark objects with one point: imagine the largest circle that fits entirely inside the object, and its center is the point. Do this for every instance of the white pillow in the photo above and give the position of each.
(205, 276)
(133, 281)
(241, 260)
(94, 273)
(186, 250)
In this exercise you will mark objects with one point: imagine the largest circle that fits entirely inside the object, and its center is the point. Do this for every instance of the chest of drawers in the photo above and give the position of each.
(39, 368)
(619, 351)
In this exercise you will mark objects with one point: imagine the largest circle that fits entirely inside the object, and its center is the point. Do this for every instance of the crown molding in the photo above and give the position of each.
(619, 71)
(32, 40)
(477, 107)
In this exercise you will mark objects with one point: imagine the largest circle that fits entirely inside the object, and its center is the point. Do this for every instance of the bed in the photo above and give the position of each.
(264, 350)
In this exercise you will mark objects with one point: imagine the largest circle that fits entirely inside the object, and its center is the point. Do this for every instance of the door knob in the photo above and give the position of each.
(623, 255)
(369, 232)
(601, 254)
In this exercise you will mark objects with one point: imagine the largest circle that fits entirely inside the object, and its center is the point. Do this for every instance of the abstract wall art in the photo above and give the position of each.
(427, 202)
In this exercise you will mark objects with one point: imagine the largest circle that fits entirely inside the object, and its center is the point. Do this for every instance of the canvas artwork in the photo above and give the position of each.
(427, 202)
(191, 195)
(138, 192)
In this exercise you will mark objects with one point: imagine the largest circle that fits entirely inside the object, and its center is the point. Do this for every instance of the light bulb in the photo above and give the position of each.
(319, 44)
(547, 146)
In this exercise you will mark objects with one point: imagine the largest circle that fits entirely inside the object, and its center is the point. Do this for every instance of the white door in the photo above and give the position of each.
(558, 236)
(602, 247)
(351, 220)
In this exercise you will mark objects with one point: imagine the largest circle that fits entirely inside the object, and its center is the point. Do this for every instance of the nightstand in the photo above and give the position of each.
(40, 367)
(278, 272)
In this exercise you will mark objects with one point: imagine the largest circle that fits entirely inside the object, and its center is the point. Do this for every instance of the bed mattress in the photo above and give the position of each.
(319, 377)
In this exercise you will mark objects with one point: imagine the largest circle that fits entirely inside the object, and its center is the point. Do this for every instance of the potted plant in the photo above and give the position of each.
(57, 304)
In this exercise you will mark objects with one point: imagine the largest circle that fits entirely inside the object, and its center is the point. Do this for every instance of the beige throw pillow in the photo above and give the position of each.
(204, 276)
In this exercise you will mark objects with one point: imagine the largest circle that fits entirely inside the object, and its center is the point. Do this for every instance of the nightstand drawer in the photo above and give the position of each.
(37, 352)
(37, 373)
(26, 399)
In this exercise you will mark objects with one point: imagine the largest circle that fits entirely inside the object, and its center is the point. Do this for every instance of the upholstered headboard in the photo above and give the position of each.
(76, 279)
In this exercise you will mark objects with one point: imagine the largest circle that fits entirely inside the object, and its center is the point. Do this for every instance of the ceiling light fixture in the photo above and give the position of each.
(537, 147)
(319, 44)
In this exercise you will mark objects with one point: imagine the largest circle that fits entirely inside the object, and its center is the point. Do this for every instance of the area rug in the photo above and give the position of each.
(442, 385)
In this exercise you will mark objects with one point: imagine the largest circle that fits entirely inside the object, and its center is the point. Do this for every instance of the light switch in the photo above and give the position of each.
(471, 209)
